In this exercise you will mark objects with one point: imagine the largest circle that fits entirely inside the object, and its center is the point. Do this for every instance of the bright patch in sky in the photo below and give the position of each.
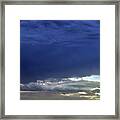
(92, 78)
(87, 78)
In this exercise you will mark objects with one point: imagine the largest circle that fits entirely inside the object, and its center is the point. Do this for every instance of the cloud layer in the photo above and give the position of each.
(64, 84)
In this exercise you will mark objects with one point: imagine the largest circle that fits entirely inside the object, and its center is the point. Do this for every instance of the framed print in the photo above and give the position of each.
(59, 59)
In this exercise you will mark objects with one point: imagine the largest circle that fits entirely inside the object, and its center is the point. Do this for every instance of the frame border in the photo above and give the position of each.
(59, 2)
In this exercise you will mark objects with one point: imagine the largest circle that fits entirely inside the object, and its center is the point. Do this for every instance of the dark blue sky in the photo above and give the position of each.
(59, 48)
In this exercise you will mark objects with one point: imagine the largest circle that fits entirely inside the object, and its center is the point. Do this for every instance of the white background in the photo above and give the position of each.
(13, 15)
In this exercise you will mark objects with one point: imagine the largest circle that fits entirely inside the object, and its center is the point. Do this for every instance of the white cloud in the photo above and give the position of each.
(92, 78)
(75, 79)
(88, 78)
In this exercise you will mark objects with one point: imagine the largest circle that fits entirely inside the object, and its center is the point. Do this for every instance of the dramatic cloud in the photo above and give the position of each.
(64, 84)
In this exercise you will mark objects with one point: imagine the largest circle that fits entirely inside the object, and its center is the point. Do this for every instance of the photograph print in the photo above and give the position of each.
(59, 59)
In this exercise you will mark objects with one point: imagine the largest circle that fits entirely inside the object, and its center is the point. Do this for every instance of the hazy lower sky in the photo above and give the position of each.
(59, 48)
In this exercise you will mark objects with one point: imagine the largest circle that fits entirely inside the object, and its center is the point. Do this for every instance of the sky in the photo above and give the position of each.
(59, 49)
